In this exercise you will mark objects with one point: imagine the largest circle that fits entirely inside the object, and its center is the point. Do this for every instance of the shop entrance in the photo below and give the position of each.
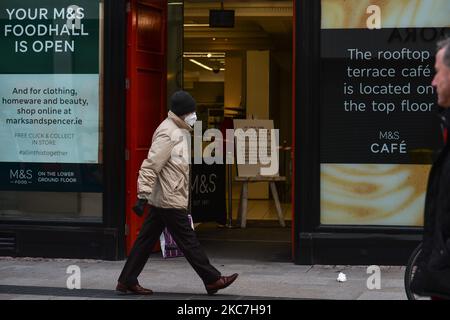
(239, 73)
(244, 71)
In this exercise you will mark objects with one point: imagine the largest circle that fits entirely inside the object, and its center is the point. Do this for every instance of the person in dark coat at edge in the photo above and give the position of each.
(432, 277)
(163, 183)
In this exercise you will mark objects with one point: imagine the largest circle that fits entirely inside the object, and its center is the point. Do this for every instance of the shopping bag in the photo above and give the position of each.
(169, 247)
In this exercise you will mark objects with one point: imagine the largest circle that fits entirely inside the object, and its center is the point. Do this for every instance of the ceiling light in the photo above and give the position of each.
(204, 66)
(194, 25)
(217, 55)
(201, 64)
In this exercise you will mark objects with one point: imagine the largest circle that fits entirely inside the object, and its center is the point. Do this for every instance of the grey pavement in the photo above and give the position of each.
(45, 279)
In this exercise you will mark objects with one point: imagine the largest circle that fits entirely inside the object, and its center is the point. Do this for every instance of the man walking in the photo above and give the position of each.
(164, 183)
(433, 275)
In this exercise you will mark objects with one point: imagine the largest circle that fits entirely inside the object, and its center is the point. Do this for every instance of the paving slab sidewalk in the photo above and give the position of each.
(46, 279)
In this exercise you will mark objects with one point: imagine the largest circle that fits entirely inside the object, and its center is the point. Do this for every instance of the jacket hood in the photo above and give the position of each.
(179, 122)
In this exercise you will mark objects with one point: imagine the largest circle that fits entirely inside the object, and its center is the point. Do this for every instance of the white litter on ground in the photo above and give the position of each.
(341, 277)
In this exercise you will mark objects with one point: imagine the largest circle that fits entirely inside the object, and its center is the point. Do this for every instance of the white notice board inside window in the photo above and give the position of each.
(251, 148)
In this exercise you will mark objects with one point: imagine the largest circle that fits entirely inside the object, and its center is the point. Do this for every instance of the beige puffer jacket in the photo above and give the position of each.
(164, 176)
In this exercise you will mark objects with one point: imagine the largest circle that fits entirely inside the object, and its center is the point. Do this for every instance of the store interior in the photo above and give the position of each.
(244, 71)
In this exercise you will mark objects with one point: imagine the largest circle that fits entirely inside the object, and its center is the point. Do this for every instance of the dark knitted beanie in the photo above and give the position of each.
(182, 103)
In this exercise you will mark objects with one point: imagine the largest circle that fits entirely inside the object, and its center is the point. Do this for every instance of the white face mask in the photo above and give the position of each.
(191, 119)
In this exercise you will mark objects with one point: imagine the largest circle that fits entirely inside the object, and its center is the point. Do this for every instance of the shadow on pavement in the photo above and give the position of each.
(111, 294)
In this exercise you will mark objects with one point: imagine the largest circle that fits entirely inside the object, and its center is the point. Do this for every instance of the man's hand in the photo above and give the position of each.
(139, 206)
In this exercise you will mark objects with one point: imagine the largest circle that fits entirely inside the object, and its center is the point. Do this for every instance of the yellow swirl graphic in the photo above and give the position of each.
(373, 194)
(352, 14)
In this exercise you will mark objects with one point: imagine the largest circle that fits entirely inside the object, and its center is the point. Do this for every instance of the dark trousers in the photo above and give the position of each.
(178, 224)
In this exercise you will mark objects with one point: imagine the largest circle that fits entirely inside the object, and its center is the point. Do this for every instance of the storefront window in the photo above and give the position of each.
(51, 110)
(379, 124)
